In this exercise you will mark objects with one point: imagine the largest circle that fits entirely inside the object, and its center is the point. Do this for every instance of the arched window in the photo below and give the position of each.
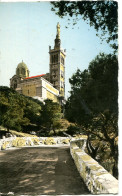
(23, 71)
(15, 84)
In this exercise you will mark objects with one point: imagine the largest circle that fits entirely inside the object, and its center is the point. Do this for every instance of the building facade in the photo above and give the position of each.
(44, 86)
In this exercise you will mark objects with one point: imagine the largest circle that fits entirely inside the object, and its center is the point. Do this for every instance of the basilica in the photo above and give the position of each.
(45, 86)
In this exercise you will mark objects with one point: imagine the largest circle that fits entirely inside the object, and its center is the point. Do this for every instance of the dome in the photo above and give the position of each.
(22, 70)
(22, 65)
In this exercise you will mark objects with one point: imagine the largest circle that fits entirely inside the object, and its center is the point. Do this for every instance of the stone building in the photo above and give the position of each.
(45, 86)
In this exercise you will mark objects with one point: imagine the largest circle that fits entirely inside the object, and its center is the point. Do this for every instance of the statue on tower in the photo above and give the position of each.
(58, 31)
(57, 40)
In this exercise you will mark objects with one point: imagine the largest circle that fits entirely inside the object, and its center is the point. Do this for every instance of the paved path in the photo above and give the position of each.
(39, 170)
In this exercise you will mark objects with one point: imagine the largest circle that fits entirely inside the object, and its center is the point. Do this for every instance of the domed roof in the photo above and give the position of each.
(22, 70)
(22, 65)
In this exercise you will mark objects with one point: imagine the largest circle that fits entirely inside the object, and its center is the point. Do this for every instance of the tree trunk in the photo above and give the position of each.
(91, 150)
(8, 129)
(115, 170)
(54, 130)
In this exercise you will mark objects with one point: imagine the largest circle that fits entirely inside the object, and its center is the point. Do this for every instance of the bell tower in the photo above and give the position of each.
(57, 64)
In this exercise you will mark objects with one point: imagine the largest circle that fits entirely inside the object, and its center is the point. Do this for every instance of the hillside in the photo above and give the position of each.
(25, 114)
(4, 132)
(18, 112)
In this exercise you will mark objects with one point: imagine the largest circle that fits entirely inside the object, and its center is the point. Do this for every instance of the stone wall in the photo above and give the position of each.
(7, 143)
(96, 178)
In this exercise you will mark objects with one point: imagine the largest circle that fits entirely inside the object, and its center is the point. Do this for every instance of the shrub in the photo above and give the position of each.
(71, 130)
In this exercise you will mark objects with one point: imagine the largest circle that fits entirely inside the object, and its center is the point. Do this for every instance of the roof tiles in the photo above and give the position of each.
(35, 76)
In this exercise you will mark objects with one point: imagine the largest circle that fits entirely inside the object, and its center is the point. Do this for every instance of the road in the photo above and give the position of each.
(40, 171)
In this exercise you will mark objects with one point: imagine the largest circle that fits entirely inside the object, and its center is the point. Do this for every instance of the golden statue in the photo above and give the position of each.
(58, 31)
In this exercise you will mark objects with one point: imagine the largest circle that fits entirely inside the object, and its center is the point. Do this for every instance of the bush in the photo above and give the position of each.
(71, 130)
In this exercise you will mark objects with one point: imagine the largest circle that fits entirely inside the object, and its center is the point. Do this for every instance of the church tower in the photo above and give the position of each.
(57, 64)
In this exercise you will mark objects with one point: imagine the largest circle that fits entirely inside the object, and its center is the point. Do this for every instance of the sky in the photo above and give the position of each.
(27, 29)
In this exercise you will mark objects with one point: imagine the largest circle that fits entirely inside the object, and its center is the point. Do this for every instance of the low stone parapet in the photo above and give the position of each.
(96, 178)
(7, 143)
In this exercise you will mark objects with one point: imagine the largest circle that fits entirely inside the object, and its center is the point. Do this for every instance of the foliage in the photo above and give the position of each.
(32, 111)
(51, 115)
(93, 105)
(14, 119)
(65, 124)
(102, 15)
(17, 111)
(94, 90)
(22, 113)
(71, 130)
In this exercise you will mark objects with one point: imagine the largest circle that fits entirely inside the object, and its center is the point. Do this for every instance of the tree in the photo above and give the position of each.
(17, 111)
(93, 105)
(3, 105)
(97, 88)
(32, 111)
(102, 15)
(50, 115)
(14, 119)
